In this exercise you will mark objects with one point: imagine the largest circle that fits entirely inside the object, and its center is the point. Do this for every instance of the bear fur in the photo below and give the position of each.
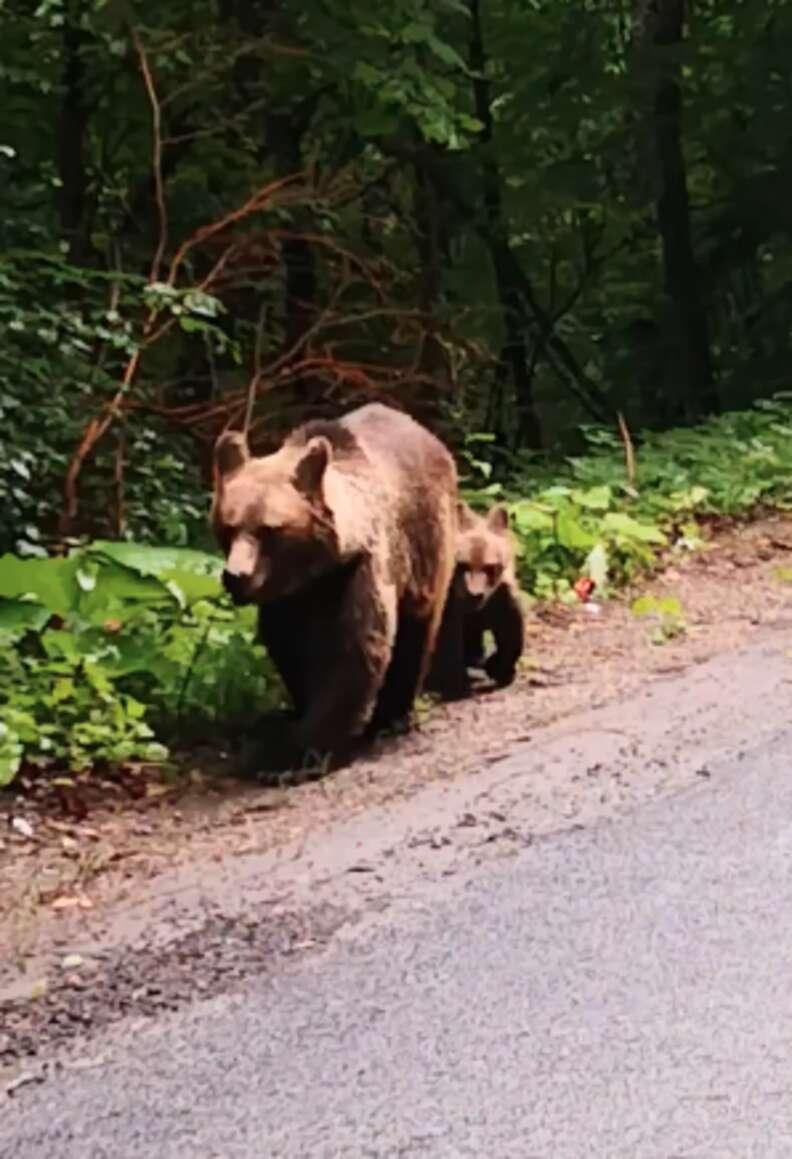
(484, 596)
(345, 538)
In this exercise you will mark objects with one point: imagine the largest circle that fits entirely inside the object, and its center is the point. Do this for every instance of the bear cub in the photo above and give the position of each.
(484, 597)
(345, 539)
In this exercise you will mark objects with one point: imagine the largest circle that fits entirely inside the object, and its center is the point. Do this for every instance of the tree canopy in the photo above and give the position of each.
(510, 217)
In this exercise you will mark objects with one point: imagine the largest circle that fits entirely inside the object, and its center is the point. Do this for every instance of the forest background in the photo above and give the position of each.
(558, 233)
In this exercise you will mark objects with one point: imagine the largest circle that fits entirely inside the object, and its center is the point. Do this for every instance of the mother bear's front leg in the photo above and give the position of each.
(356, 650)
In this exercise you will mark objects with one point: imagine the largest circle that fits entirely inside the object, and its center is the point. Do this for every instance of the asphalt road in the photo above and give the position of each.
(621, 992)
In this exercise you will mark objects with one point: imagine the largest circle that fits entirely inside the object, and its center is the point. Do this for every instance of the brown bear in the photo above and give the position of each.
(484, 596)
(345, 539)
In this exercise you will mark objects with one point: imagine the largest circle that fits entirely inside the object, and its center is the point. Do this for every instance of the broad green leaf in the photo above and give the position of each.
(11, 753)
(20, 616)
(528, 518)
(571, 533)
(193, 586)
(52, 581)
(594, 498)
(63, 644)
(86, 575)
(644, 606)
(117, 582)
(156, 560)
(206, 305)
(669, 606)
(618, 523)
(596, 565)
(63, 689)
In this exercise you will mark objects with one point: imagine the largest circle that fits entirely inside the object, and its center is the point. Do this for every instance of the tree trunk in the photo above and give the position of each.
(657, 26)
(433, 250)
(514, 353)
(281, 143)
(558, 355)
(71, 133)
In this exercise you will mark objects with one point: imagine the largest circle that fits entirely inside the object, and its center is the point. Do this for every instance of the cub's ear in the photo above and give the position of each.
(309, 472)
(498, 519)
(230, 453)
(465, 517)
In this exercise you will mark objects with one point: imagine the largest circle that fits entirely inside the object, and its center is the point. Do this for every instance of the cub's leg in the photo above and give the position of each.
(475, 624)
(505, 620)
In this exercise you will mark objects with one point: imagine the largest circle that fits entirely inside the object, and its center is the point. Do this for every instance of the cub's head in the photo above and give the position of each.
(485, 554)
(270, 517)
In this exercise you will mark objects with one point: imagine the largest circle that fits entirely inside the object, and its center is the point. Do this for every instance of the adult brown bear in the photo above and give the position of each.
(345, 539)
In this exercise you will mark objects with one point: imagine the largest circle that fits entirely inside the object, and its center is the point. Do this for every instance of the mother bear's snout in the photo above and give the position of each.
(235, 585)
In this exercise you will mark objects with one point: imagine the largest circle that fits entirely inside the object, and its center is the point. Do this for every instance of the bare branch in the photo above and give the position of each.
(629, 452)
(156, 129)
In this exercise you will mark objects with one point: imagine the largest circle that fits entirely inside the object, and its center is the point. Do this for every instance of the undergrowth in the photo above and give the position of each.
(116, 653)
(119, 651)
(587, 517)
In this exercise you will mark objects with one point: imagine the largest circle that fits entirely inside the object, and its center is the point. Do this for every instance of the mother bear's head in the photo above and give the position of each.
(271, 517)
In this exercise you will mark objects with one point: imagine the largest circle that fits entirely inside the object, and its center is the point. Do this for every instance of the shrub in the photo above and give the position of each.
(586, 518)
(118, 650)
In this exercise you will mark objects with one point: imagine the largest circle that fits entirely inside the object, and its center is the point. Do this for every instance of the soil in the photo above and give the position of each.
(157, 867)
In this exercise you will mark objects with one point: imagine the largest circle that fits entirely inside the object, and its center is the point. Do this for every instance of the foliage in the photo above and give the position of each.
(725, 466)
(463, 205)
(589, 520)
(667, 614)
(59, 355)
(513, 219)
(117, 649)
(120, 648)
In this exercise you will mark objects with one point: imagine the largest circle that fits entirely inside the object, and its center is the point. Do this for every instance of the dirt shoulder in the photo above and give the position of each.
(95, 910)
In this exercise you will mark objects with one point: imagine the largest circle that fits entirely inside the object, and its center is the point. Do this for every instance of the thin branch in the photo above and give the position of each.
(119, 479)
(98, 426)
(629, 452)
(259, 201)
(256, 376)
(95, 431)
(156, 130)
(210, 361)
(202, 80)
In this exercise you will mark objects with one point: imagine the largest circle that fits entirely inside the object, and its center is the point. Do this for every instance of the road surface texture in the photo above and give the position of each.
(622, 990)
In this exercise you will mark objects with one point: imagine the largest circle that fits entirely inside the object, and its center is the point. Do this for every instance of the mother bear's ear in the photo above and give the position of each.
(309, 472)
(230, 453)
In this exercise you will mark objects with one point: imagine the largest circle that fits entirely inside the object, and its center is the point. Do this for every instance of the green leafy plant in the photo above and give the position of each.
(667, 614)
(121, 649)
(564, 532)
(117, 651)
(584, 519)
